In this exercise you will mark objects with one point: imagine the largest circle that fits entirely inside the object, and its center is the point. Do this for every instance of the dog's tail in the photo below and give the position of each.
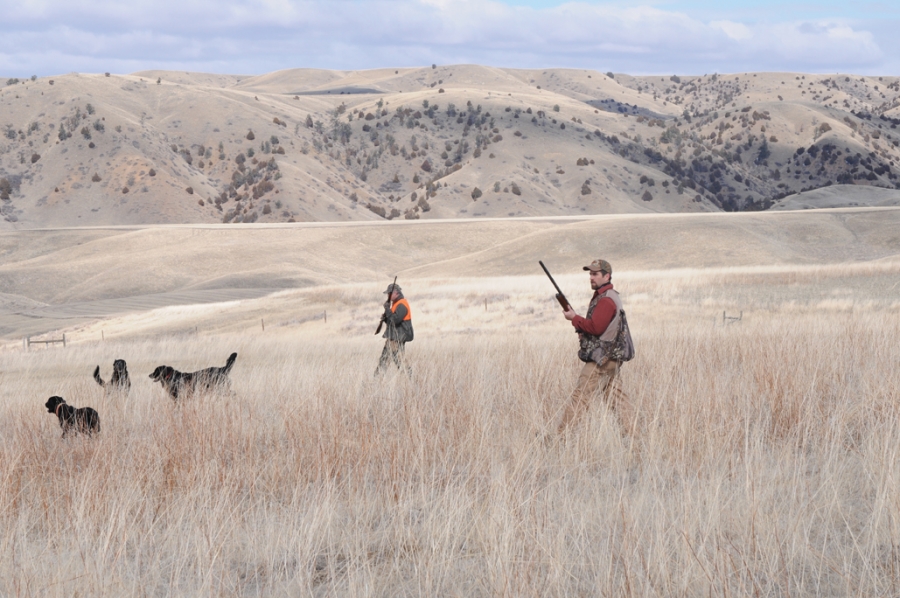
(229, 363)
(98, 378)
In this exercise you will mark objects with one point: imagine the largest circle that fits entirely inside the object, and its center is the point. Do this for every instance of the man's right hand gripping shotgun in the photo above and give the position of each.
(559, 294)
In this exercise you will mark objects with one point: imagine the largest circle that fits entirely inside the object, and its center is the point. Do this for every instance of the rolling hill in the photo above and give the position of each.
(457, 141)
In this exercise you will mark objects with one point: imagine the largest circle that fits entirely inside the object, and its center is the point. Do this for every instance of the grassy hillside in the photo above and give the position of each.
(449, 141)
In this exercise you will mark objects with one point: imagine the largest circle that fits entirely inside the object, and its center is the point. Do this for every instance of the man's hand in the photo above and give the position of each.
(387, 304)
(569, 313)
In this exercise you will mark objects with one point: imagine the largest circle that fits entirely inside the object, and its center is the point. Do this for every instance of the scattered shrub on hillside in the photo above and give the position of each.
(152, 172)
(89, 108)
(426, 166)
(377, 209)
(476, 193)
(124, 189)
(96, 178)
(190, 190)
(35, 157)
(250, 136)
(586, 188)
(85, 132)
(647, 196)
(515, 189)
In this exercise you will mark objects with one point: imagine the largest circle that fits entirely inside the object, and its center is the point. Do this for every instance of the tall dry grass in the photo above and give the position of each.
(754, 459)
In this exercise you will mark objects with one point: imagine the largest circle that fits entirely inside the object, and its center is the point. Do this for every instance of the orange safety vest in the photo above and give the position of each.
(408, 311)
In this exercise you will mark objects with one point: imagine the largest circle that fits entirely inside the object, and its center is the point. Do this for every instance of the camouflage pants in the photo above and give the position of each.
(594, 379)
(393, 350)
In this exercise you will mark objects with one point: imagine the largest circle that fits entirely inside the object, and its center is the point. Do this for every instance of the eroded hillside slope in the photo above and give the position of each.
(433, 142)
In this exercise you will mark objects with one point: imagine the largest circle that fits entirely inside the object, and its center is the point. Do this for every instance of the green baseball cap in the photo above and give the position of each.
(598, 265)
(391, 288)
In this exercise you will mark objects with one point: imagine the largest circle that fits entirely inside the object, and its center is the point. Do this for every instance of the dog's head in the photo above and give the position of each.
(162, 373)
(53, 404)
(119, 367)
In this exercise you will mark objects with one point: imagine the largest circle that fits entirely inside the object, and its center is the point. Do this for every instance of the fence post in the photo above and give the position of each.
(64, 341)
(325, 315)
(263, 323)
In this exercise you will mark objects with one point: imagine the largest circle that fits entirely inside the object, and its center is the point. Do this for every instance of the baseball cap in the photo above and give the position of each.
(598, 265)
(391, 288)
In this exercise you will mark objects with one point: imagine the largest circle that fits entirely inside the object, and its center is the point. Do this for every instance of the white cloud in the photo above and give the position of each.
(52, 36)
(736, 31)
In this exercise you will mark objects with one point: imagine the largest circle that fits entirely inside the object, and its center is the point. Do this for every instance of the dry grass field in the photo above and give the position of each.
(753, 458)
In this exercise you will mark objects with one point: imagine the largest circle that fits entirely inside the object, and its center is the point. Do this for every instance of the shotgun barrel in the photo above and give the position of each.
(559, 294)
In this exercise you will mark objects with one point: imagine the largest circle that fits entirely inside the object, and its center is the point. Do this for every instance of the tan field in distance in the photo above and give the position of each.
(751, 457)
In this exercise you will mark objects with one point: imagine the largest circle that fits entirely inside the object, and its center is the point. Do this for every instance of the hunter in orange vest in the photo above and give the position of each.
(398, 318)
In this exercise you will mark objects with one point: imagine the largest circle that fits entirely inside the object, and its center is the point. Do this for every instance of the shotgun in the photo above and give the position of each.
(381, 323)
(559, 294)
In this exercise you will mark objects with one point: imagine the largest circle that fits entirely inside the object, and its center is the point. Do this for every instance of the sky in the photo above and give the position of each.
(689, 37)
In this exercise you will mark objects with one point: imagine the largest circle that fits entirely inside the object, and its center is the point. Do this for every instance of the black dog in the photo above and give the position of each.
(119, 382)
(84, 420)
(179, 383)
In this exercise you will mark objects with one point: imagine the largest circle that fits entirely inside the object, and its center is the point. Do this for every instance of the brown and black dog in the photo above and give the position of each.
(84, 420)
(119, 382)
(181, 383)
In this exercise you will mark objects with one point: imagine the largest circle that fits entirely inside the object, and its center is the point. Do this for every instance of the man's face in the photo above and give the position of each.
(394, 296)
(598, 279)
